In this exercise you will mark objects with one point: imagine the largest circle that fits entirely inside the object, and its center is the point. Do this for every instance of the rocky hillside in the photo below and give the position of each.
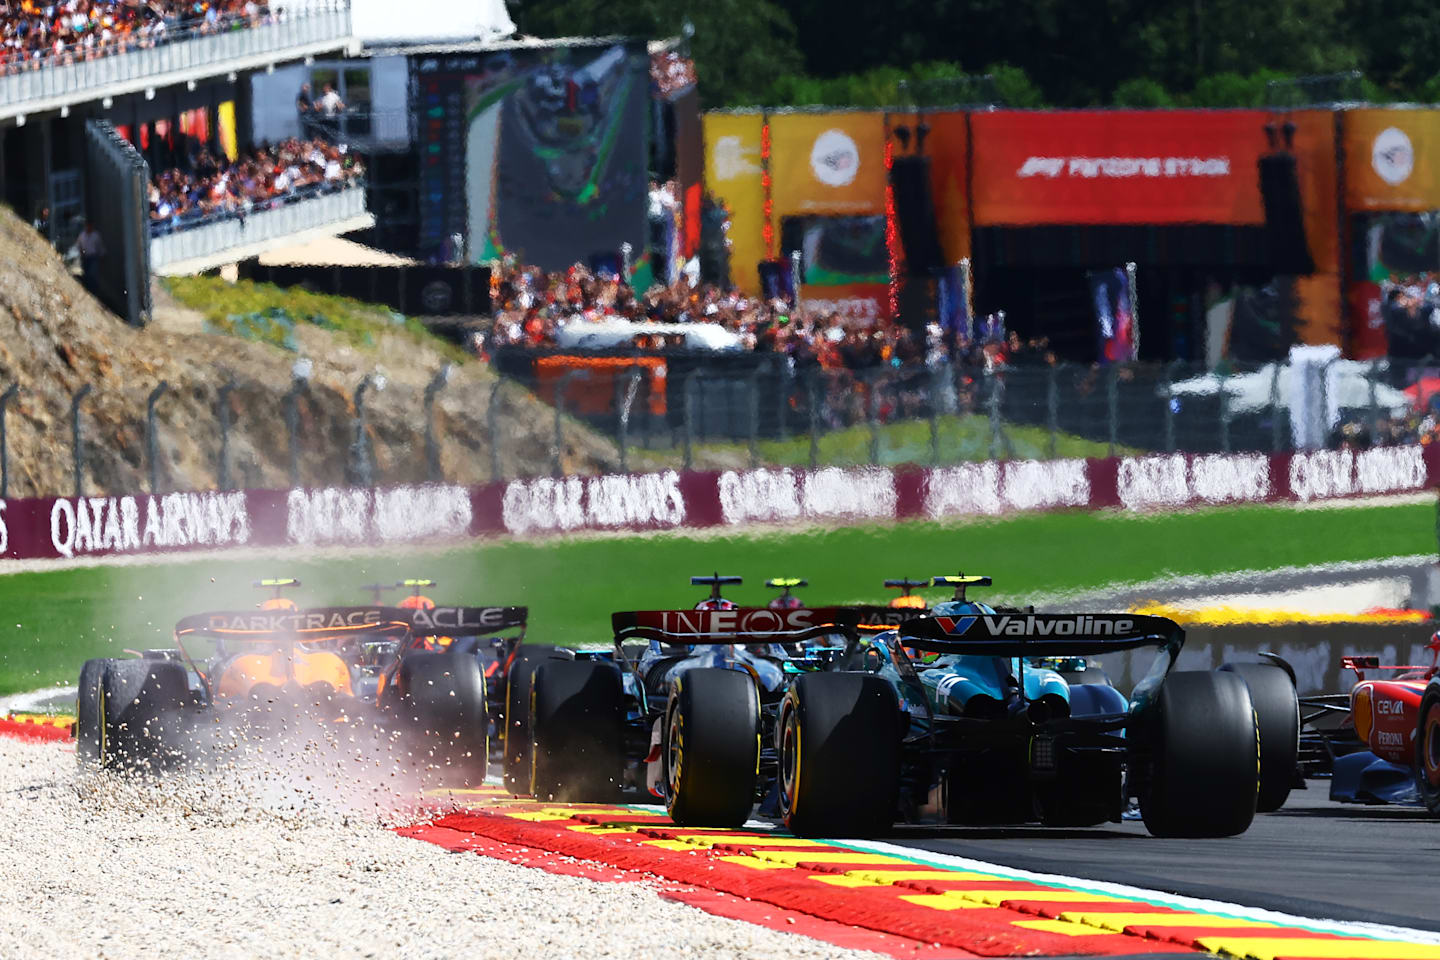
(54, 338)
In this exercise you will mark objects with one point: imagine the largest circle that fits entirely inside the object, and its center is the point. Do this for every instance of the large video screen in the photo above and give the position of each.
(539, 153)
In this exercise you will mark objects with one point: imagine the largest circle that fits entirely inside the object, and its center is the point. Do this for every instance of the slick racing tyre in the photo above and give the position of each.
(442, 701)
(1201, 778)
(141, 717)
(90, 713)
(1427, 749)
(576, 715)
(515, 732)
(711, 747)
(839, 738)
(1277, 710)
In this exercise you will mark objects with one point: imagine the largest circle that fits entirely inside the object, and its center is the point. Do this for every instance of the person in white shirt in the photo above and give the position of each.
(330, 102)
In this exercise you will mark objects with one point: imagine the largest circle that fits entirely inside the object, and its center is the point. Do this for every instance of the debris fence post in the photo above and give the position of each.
(627, 403)
(812, 382)
(561, 386)
(432, 448)
(1276, 424)
(1052, 408)
(222, 401)
(689, 413)
(361, 466)
(152, 454)
(1224, 398)
(752, 395)
(1112, 409)
(492, 426)
(5, 399)
(299, 383)
(77, 438)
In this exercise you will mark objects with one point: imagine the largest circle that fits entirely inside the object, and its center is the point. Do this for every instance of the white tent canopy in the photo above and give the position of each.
(378, 21)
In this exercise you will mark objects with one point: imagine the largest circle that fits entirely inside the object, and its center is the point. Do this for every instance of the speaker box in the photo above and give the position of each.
(1285, 243)
(775, 280)
(915, 211)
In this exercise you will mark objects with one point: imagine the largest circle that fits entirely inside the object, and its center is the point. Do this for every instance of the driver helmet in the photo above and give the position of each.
(787, 602)
(714, 603)
(962, 608)
(279, 603)
(951, 608)
(416, 602)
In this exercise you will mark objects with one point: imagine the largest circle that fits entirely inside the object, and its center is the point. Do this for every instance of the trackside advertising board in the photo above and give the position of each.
(1117, 166)
(82, 528)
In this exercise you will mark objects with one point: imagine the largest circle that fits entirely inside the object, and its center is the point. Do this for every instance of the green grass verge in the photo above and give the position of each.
(962, 439)
(55, 620)
(360, 323)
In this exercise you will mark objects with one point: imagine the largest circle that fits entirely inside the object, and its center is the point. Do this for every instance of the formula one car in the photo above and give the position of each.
(1380, 743)
(273, 666)
(710, 678)
(981, 734)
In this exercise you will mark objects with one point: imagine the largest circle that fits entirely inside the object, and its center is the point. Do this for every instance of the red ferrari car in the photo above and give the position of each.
(1386, 749)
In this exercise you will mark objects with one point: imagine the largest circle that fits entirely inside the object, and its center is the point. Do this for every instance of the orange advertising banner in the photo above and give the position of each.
(734, 177)
(1117, 166)
(1392, 160)
(947, 145)
(827, 164)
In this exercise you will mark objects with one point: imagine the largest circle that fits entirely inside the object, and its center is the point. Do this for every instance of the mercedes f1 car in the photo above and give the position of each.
(708, 680)
(264, 667)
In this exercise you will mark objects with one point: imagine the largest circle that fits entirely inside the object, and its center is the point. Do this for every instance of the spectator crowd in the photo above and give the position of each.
(532, 306)
(38, 33)
(258, 180)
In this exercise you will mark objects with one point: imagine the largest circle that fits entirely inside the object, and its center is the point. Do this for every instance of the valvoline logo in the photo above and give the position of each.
(956, 625)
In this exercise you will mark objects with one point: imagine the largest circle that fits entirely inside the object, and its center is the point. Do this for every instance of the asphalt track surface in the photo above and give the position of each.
(1312, 858)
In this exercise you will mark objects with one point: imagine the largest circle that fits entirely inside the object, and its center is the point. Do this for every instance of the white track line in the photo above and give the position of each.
(1345, 927)
(27, 702)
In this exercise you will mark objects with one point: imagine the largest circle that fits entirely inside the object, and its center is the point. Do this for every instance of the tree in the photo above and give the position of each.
(740, 46)
(1142, 92)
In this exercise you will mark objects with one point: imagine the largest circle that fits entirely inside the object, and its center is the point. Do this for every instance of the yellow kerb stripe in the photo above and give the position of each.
(1060, 926)
(1119, 921)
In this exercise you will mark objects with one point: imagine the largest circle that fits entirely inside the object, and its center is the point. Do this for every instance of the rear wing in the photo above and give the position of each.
(742, 625)
(1041, 635)
(316, 622)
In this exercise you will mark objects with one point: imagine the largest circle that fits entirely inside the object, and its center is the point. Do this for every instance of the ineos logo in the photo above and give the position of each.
(1392, 156)
(756, 621)
(834, 159)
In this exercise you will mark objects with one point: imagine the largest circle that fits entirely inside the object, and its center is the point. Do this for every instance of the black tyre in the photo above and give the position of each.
(711, 747)
(1200, 772)
(839, 745)
(90, 713)
(142, 712)
(442, 702)
(1277, 711)
(576, 714)
(515, 735)
(1427, 749)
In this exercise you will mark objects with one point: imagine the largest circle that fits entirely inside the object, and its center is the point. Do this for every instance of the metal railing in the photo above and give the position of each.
(278, 218)
(768, 414)
(81, 76)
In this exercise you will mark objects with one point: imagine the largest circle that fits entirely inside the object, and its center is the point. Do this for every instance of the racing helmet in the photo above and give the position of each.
(717, 603)
(416, 602)
(786, 600)
(962, 608)
(279, 603)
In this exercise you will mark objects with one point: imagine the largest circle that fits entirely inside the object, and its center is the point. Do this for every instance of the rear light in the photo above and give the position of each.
(1362, 712)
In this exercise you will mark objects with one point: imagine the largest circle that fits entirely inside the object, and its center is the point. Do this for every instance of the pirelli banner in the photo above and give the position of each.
(734, 176)
(1117, 167)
